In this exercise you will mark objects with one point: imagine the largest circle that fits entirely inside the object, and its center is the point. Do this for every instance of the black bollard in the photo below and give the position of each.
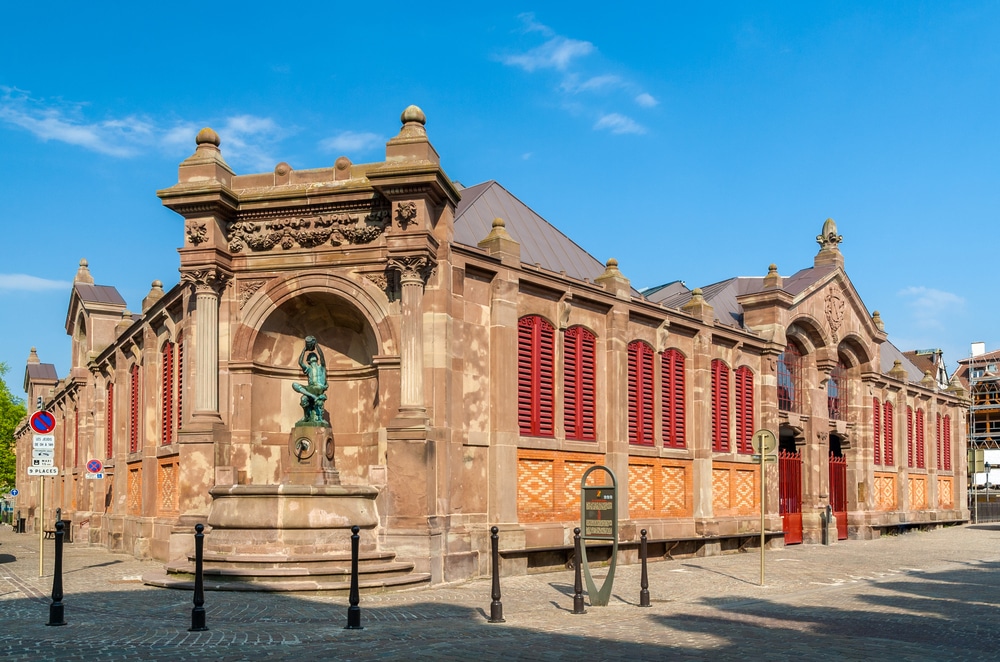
(578, 581)
(198, 612)
(354, 611)
(644, 582)
(56, 608)
(496, 607)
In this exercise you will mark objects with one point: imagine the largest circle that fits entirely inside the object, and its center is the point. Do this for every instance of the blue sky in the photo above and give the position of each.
(690, 141)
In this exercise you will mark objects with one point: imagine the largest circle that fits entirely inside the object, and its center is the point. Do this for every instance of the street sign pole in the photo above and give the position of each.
(41, 527)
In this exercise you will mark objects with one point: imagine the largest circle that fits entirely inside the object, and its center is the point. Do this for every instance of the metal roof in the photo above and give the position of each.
(42, 372)
(98, 293)
(541, 243)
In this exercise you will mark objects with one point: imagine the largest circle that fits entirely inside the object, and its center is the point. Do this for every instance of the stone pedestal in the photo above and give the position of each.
(310, 456)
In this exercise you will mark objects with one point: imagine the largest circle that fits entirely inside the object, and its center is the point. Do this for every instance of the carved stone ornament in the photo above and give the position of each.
(822, 436)
(835, 305)
(205, 280)
(247, 288)
(379, 279)
(307, 232)
(411, 268)
(196, 232)
(406, 213)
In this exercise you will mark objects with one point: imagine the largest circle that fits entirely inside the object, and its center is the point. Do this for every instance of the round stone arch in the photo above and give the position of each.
(853, 350)
(353, 330)
(807, 332)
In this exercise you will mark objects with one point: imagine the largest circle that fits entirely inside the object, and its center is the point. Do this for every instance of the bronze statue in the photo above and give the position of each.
(313, 399)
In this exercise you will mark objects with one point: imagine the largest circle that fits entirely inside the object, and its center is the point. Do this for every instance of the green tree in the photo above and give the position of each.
(12, 411)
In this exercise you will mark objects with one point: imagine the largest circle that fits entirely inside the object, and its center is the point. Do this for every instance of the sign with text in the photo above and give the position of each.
(94, 476)
(599, 512)
(43, 452)
(43, 471)
(42, 461)
(43, 441)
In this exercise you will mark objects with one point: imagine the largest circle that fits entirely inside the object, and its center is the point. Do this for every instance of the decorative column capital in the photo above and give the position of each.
(206, 281)
(412, 269)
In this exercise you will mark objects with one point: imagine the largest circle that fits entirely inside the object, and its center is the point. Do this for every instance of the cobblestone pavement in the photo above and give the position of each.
(919, 596)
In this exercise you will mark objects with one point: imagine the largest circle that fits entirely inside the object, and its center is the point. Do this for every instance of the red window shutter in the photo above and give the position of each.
(937, 441)
(744, 409)
(720, 406)
(877, 427)
(180, 381)
(909, 437)
(167, 394)
(76, 437)
(535, 376)
(889, 437)
(920, 439)
(640, 393)
(947, 443)
(672, 398)
(578, 383)
(133, 430)
(110, 423)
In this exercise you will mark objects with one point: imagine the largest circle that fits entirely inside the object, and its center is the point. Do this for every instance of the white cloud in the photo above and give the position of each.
(556, 53)
(592, 84)
(26, 283)
(531, 25)
(646, 100)
(350, 141)
(932, 308)
(619, 124)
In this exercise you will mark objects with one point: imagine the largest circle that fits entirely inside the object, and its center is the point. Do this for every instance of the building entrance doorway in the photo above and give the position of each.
(790, 487)
(838, 486)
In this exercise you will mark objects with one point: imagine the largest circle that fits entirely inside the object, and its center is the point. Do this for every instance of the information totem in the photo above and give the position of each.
(599, 522)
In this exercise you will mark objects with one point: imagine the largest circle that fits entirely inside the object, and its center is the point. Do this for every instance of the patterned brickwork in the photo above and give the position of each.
(640, 488)
(735, 489)
(918, 492)
(548, 484)
(166, 481)
(946, 492)
(659, 487)
(885, 491)
(676, 484)
(135, 489)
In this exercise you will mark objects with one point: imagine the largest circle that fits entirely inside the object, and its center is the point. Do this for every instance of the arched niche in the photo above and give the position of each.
(807, 334)
(350, 345)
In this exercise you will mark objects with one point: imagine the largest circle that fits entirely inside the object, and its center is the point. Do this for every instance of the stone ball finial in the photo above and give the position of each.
(207, 136)
(772, 268)
(157, 284)
(696, 292)
(499, 223)
(413, 114)
(84, 263)
(342, 163)
(612, 263)
(282, 169)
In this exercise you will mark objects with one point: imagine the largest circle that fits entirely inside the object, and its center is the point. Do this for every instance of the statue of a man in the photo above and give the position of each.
(313, 399)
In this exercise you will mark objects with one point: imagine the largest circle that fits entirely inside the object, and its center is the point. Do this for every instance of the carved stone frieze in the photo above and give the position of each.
(196, 232)
(247, 288)
(334, 229)
(380, 280)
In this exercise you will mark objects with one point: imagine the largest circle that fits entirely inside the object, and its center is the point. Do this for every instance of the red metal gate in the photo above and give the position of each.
(838, 493)
(790, 495)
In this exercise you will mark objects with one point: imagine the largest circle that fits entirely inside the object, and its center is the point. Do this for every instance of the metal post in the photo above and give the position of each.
(496, 607)
(354, 611)
(41, 527)
(578, 572)
(198, 612)
(644, 582)
(56, 608)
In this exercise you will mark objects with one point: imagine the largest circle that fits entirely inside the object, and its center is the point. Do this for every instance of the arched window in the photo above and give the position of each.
(133, 419)
(672, 397)
(889, 437)
(720, 406)
(877, 428)
(790, 379)
(744, 409)
(640, 393)
(578, 383)
(535, 376)
(835, 392)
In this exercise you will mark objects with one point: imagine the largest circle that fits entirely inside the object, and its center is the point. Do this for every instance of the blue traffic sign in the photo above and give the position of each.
(14, 492)
(43, 422)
